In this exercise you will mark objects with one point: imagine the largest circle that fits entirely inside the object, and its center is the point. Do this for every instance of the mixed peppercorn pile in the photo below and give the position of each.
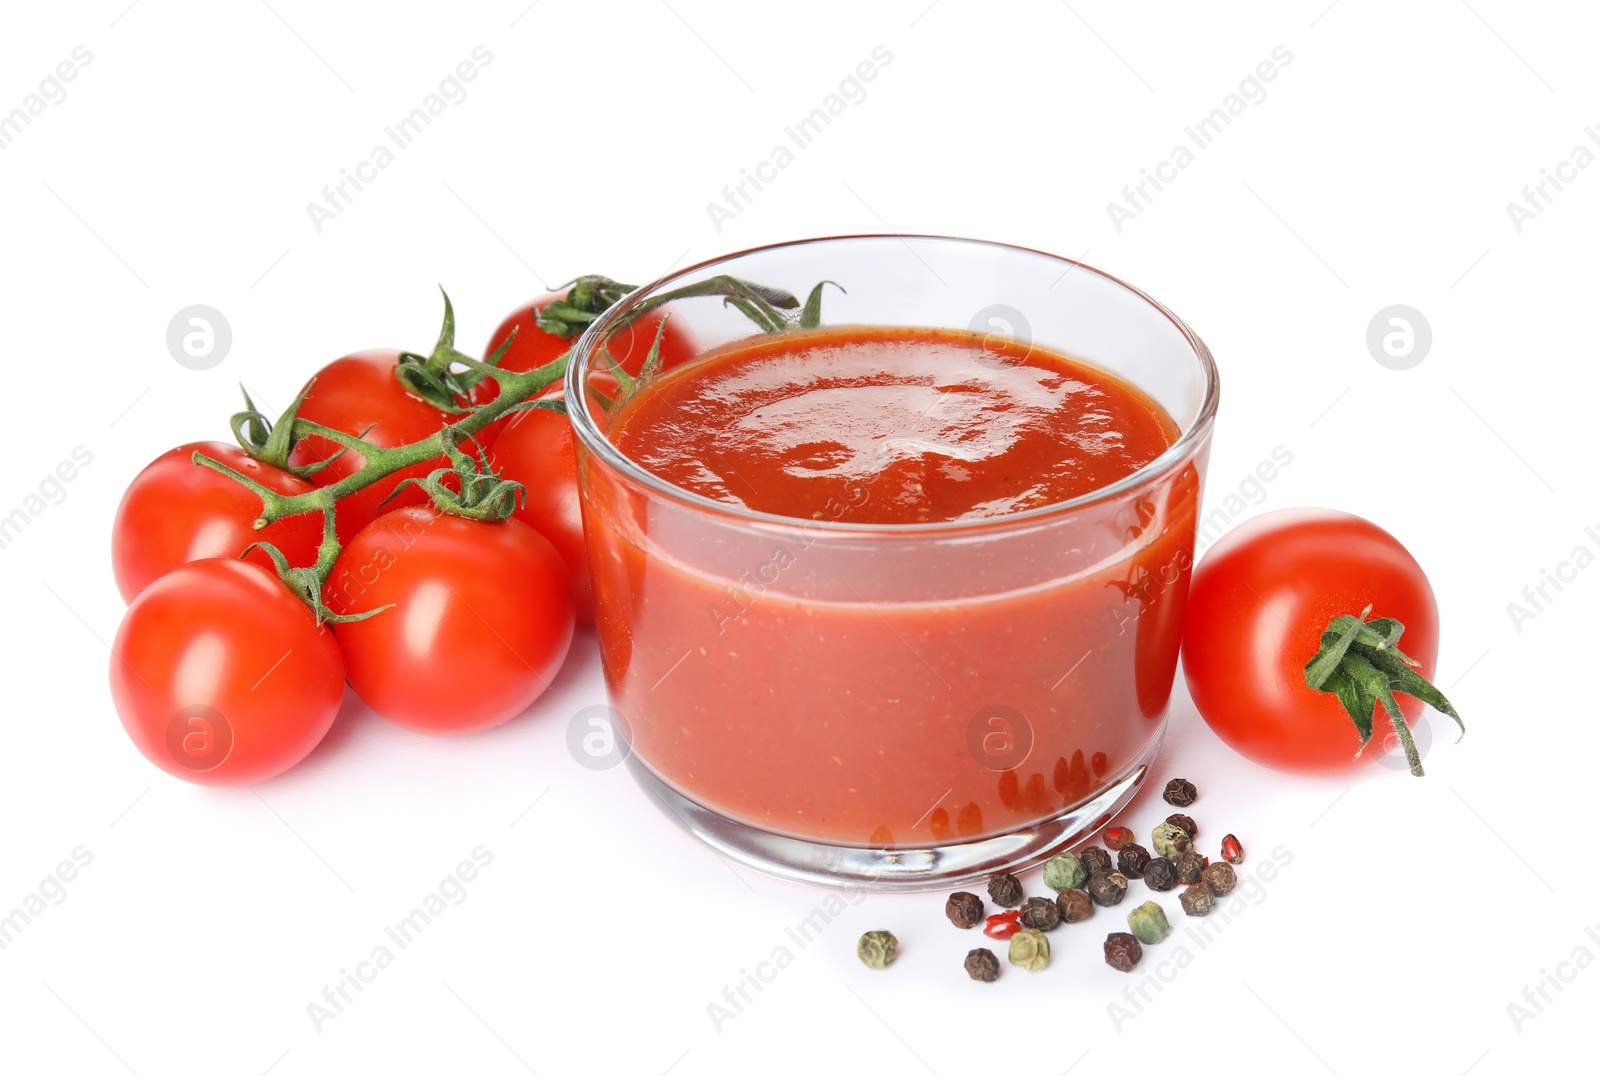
(1082, 880)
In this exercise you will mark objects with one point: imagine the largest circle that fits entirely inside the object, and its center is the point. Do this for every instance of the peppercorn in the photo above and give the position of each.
(1040, 913)
(965, 910)
(1065, 871)
(1107, 888)
(1190, 864)
(1095, 858)
(1123, 951)
(1133, 859)
(1149, 923)
(1180, 793)
(1197, 900)
(1005, 890)
(877, 948)
(982, 965)
(1030, 950)
(1117, 837)
(1220, 878)
(1170, 841)
(1074, 905)
(1160, 874)
(1185, 823)
(1231, 850)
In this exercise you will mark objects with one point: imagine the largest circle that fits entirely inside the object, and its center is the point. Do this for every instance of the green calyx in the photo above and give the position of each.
(587, 298)
(473, 490)
(434, 376)
(1361, 665)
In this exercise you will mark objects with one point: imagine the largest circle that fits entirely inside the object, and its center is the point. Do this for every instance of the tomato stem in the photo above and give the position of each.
(1360, 663)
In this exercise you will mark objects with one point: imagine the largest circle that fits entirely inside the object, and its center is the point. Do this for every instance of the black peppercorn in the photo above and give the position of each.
(1123, 951)
(1005, 890)
(982, 965)
(1185, 823)
(1096, 859)
(1133, 859)
(1108, 887)
(1160, 874)
(1074, 905)
(1190, 864)
(1220, 878)
(1196, 900)
(965, 910)
(1180, 793)
(1040, 913)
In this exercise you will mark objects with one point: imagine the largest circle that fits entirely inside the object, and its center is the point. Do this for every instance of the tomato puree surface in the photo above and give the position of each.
(910, 686)
(943, 425)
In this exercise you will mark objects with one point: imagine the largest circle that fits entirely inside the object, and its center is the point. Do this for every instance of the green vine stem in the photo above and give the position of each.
(1360, 664)
(481, 494)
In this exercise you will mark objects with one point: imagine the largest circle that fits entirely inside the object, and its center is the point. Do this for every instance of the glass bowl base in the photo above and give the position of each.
(946, 866)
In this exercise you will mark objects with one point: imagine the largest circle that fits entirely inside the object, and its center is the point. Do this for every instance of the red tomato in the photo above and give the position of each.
(1258, 605)
(350, 395)
(533, 348)
(536, 450)
(175, 512)
(222, 676)
(481, 624)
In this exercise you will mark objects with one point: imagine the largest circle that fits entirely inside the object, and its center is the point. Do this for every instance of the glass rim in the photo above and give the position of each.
(595, 440)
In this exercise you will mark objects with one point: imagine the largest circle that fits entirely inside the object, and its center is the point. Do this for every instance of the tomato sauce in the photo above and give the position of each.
(899, 687)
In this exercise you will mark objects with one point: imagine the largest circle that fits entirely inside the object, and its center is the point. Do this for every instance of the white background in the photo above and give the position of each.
(1376, 171)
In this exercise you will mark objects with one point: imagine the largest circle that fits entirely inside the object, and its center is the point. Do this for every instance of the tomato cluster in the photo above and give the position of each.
(231, 661)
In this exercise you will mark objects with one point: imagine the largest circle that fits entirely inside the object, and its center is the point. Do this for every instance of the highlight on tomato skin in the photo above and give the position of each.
(222, 676)
(1259, 603)
(175, 512)
(481, 618)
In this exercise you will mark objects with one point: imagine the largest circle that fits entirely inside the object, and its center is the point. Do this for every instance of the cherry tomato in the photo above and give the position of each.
(536, 450)
(222, 676)
(482, 618)
(533, 348)
(360, 395)
(176, 511)
(1258, 604)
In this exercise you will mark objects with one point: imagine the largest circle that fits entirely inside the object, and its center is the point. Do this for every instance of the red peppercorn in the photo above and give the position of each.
(1231, 850)
(1117, 837)
(1003, 925)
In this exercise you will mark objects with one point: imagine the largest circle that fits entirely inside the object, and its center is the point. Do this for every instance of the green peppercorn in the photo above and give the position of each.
(1190, 864)
(877, 948)
(1133, 859)
(982, 965)
(1197, 900)
(1160, 875)
(1095, 858)
(1005, 890)
(1170, 841)
(1123, 951)
(1074, 905)
(1065, 871)
(1030, 950)
(1185, 823)
(965, 910)
(1107, 888)
(1220, 877)
(1149, 923)
(1180, 793)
